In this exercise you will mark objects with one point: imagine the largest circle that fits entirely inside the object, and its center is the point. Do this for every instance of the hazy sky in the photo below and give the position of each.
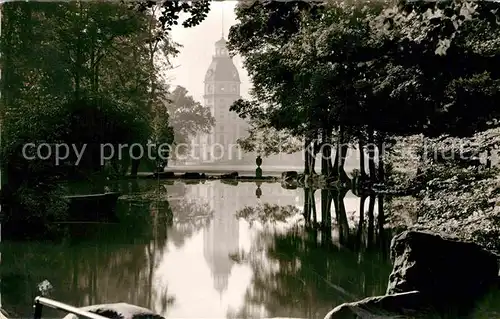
(199, 47)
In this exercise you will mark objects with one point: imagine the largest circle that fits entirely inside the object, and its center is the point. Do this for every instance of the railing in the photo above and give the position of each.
(41, 301)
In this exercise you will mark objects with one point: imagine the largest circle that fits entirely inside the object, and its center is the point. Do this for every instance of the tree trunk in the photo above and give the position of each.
(326, 205)
(307, 206)
(371, 221)
(381, 151)
(361, 146)
(371, 156)
(340, 157)
(314, 153)
(341, 216)
(381, 222)
(307, 157)
(335, 168)
(326, 154)
(359, 235)
(78, 60)
(312, 199)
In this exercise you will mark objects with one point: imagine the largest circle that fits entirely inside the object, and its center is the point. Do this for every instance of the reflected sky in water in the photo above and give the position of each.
(183, 252)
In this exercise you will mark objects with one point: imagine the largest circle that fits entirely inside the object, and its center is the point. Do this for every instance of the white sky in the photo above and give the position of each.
(199, 46)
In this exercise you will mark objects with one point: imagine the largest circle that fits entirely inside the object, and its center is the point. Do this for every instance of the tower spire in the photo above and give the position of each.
(222, 20)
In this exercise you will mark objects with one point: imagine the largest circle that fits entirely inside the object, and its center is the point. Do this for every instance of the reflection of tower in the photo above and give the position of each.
(221, 239)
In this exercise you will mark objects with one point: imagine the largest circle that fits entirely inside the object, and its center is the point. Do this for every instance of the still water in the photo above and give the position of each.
(209, 250)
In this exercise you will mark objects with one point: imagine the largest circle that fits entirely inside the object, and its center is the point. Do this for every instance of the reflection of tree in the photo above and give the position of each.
(340, 214)
(101, 263)
(190, 217)
(185, 218)
(297, 275)
(267, 213)
(309, 206)
(96, 264)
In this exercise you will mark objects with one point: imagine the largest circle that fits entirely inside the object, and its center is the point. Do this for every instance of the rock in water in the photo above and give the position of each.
(231, 175)
(403, 305)
(119, 311)
(3, 314)
(432, 274)
(289, 175)
(443, 268)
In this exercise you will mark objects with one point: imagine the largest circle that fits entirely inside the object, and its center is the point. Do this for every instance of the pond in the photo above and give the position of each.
(209, 250)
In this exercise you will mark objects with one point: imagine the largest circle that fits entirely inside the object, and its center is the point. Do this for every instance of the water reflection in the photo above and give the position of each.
(258, 191)
(220, 240)
(304, 274)
(211, 250)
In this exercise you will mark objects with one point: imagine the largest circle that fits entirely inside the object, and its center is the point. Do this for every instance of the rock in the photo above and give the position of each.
(289, 175)
(232, 182)
(92, 207)
(289, 184)
(231, 175)
(3, 314)
(441, 267)
(119, 311)
(388, 306)
(163, 175)
(193, 175)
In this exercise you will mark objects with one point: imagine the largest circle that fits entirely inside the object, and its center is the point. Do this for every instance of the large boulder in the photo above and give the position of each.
(119, 311)
(442, 267)
(403, 305)
(3, 314)
(433, 274)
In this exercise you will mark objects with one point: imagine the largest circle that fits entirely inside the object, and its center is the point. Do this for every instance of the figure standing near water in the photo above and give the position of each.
(258, 171)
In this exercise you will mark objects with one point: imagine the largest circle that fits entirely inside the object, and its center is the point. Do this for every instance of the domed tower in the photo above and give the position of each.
(222, 88)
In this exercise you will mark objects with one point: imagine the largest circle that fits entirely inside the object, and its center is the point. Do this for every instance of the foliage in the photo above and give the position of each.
(83, 73)
(346, 70)
(71, 63)
(462, 202)
(187, 117)
(450, 44)
(171, 11)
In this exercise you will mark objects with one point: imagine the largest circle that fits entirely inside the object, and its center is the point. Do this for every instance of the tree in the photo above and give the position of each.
(263, 29)
(187, 117)
(306, 91)
(371, 71)
(446, 50)
(81, 73)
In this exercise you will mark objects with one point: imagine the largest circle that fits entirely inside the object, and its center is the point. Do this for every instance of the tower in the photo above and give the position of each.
(222, 88)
